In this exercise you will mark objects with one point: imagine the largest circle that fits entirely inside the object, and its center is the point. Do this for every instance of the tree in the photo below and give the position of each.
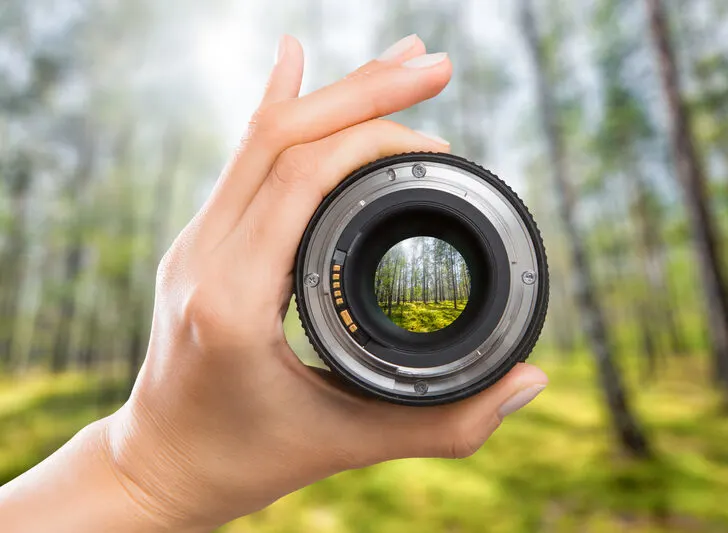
(425, 271)
(624, 139)
(18, 174)
(90, 213)
(74, 252)
(688, 168)
(627, 429)
(453, 281)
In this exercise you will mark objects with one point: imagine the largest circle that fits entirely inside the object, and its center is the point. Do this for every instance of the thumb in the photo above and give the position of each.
(456, 430)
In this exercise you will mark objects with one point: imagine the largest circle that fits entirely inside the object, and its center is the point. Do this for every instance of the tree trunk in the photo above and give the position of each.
(653, 258)
(159, 223)
(88, 358)
(452, 279)
(692, 180)
(62, 343)
(646, 321)
(403, 278)
(74, 252)
(627, 430)
(413, 281)
(424, 272)
(390, 292)
(435, 295)
(435, 271)
(12, 262)
(443, 292)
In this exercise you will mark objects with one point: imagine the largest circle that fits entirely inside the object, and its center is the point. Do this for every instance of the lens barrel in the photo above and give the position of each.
(338, 284)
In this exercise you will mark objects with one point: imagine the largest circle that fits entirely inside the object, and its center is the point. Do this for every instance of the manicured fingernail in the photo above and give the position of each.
(427, 60)
(433, 137)
(398, 48)
(281, 49)
(519, 400)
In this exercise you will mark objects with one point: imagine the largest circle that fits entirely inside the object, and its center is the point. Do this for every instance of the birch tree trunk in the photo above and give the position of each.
(626, 428)
(692, 180)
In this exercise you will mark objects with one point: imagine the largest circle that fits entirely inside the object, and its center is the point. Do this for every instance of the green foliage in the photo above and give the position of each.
(423, 317)
(550, 467)
(39, 413)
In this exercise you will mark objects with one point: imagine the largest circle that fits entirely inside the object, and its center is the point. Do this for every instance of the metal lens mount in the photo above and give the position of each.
(432, 195)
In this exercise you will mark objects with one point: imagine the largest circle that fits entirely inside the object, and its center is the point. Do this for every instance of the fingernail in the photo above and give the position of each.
(433, 137)
(427, 60)
(519, 400)
(281, 49)
(398, 48)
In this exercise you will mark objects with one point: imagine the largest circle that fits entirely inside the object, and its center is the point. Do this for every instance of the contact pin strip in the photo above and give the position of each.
(338, 296)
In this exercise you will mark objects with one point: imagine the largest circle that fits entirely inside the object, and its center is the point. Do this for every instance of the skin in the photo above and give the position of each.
(224, 419)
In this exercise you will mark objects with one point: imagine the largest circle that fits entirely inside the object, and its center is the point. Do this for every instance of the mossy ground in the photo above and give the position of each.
(550, 468)
(424, 317)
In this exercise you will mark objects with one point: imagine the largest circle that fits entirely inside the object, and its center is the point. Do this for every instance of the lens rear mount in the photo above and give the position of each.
(421, 195)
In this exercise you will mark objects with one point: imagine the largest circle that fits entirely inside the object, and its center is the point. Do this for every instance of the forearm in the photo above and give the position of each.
(77, 489)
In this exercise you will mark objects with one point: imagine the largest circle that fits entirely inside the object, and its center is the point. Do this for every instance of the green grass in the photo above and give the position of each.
(550, 468)
(424, 317)
(41, 412)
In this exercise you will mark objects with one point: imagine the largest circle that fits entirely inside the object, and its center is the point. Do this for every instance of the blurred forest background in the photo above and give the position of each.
(610, 119)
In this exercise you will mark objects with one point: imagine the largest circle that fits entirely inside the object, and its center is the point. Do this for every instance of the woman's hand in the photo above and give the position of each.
(224, 419)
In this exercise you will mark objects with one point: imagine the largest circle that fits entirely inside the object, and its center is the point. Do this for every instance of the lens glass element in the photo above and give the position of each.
(422, 284)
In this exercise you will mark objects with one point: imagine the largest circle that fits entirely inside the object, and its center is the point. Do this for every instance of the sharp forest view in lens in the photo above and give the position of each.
(422, 284)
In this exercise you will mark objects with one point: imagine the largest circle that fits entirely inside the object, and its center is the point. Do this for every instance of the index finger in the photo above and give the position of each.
(370, 94)
(354, 100)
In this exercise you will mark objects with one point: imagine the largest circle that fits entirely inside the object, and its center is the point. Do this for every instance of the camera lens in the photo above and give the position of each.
(421, 279)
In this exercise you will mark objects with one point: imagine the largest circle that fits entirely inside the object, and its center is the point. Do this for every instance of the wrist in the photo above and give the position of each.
(142, 513)
(79, 488)
(150, 473)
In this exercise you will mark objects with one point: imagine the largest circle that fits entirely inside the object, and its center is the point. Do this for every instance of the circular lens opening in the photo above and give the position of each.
(422, 284)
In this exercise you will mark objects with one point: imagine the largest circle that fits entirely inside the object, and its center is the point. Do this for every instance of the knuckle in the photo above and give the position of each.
(464, 442)
(201, 317)
(374, 104)
(386, 129)
(169, 270)
(366, 84)
(214, 321)
(363, 73)
(165, 270)
(295, 165)
(196, 309)
(388, 125)
(176, 261)
(272, 124)
(268, 123)
(375, 97)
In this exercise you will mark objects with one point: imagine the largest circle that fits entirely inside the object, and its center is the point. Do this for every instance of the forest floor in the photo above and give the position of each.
(549, 468)
(424, 317)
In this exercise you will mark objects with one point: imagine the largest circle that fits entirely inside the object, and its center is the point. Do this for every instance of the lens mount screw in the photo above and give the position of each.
(421, 388)
(312, 279)
(391, 174)
(529, 277)
(419, 171)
